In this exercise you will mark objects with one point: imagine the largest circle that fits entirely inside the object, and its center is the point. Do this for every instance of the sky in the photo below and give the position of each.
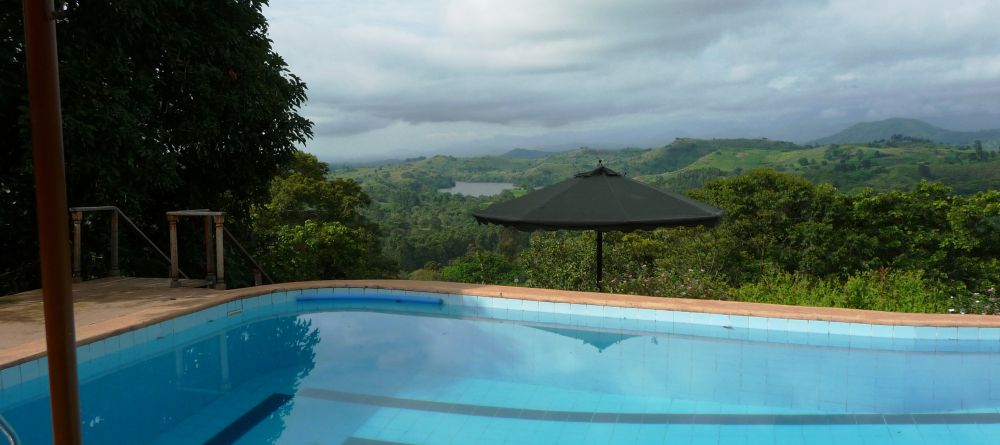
(401, 78)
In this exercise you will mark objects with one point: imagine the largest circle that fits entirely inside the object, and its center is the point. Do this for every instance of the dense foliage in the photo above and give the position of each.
(312, 228)
(167, 105)
(786, 240)
(901, 224)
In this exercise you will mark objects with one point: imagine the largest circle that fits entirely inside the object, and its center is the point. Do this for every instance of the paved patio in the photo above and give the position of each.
(100, 306)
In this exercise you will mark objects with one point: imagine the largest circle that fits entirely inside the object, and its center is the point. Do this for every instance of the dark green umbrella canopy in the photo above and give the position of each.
(600, 200)
(603, 200)
(599, 339)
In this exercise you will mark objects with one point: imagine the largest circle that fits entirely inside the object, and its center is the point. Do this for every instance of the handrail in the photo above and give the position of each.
(247, 255)
(143, 235)
(131, 223)
(8, 432)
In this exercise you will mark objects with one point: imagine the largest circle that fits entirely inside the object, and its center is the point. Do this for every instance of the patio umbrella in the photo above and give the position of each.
(601, 200)
(599, 339)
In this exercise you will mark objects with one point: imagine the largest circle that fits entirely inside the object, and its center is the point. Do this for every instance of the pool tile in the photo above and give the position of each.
(546, 306)
(757, 323)
(838, 328)
(881, 331)
(664, 317)
(561, 308)
(739, 321)
(947, 333)
(684, 317)
(10, 377)
(989, 334)
(861, 330)
(644, 314)
(966, 334)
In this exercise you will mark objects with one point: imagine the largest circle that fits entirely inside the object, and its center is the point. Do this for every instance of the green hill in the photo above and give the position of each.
(688, 163)
(422, 227)
(866, 132)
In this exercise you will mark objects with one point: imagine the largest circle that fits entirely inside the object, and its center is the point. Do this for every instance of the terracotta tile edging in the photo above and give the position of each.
(661, 303)
(152, 316)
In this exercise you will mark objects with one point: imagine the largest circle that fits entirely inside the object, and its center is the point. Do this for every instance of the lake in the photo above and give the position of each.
(478, 188)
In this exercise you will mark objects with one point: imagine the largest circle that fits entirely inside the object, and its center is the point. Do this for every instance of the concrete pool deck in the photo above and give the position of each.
(109, 306)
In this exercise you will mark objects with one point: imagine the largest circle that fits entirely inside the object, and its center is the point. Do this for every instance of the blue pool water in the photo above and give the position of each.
(491, 371)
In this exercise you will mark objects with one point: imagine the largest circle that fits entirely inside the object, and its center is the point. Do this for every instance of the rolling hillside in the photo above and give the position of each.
(873, 131)
(689, 163)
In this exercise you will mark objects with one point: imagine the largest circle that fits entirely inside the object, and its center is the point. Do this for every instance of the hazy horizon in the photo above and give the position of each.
(397, 79)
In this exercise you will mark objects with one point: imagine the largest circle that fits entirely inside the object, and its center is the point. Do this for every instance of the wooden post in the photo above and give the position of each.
(257, 279)
(114, 245)
(50, 202)
(174, 276)
(209, 256)
(77, 227)
(220, 276)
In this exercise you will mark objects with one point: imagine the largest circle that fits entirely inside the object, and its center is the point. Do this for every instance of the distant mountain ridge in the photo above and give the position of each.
(872, 131)
(525, 153)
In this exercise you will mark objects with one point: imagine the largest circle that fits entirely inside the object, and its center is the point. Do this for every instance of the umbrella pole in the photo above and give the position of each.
(600, 261)
(50, 198)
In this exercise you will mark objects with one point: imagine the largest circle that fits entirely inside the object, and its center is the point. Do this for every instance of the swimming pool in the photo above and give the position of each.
(369, 366)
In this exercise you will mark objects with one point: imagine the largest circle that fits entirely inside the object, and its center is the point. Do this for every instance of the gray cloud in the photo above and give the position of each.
(409, 76)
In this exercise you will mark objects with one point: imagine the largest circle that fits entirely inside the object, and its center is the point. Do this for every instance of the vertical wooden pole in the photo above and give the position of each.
(50, 202)
(77, 228)
(257, 278)
(220, 276)
(115, 271)
(209, 256)
(174, 274)
(600, 261)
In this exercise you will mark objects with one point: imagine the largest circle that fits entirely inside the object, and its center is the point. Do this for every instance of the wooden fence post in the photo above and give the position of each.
(77, 228)
(174, 278)
(114, 245)
(220, 277)
(209, 255)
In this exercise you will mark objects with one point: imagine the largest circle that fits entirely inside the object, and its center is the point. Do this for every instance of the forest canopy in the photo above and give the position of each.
(166, 104)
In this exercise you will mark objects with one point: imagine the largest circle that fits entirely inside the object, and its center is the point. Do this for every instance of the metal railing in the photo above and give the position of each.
(258, 271)
(77, 215)
(8, 432)
(215, 269)
(214, 257)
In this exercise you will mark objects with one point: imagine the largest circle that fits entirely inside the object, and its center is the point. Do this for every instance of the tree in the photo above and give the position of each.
(183, 105)
(312, 228)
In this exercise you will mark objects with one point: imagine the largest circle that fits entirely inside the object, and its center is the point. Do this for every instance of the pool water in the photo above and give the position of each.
(384, 372)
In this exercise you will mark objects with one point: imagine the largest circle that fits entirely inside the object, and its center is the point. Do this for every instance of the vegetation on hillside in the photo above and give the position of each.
(312, 228)
(786, 240)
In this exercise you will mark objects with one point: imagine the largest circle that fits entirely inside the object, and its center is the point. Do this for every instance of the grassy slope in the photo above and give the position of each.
(689, 162)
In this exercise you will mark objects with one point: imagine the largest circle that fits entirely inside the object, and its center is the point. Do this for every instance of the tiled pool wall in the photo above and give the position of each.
(27, 381)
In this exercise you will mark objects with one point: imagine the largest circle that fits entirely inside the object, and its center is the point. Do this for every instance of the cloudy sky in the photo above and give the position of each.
(394, 78)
